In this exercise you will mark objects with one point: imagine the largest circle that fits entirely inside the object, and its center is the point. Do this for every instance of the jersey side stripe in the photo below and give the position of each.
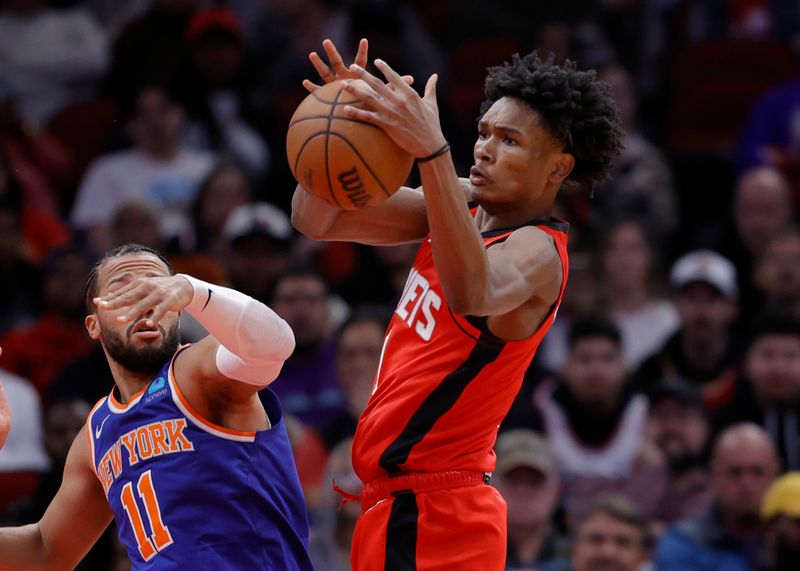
(441, 400)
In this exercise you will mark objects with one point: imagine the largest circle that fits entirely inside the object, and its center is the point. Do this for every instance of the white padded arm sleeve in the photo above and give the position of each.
(254, 340)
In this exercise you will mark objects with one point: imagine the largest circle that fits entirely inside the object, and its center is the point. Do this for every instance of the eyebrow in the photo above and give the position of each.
(499, 127)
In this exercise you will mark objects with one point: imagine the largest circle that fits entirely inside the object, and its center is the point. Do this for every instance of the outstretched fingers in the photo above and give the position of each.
(392, 77)
(361, 55)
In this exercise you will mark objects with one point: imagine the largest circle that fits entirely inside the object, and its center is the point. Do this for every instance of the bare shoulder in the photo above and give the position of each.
(535, 252)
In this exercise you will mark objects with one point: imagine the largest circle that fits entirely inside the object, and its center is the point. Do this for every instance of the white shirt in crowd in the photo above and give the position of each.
(133, 176)
(24, 449)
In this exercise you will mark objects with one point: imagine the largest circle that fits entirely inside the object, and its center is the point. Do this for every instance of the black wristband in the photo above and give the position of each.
(440, 152)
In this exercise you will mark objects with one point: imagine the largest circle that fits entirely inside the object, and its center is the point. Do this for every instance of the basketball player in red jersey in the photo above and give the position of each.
(482, 293)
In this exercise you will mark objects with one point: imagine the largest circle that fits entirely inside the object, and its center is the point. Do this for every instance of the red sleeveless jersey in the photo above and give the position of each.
(444, 382)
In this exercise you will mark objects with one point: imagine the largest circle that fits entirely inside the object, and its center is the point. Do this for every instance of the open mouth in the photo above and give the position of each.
(144, 331)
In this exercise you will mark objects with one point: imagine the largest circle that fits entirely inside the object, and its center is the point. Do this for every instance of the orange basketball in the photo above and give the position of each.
(347, 162)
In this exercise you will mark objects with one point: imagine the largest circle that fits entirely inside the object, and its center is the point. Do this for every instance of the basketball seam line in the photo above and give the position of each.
(358, 154)
(335, 102)
(327, 147)
(351, 119)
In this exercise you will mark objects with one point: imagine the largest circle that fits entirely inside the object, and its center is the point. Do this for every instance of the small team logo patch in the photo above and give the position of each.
(156, 385)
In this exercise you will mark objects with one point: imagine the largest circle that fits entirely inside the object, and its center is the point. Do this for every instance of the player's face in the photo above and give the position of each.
(137, 350)
(607, 544)
(516, 160)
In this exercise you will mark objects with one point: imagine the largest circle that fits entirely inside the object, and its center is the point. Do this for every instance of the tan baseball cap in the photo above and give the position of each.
(524, 448)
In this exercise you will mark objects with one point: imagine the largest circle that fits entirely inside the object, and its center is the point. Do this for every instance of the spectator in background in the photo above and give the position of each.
(158, 170)
(150, 45)
(307, 385)
(64, 421)
(223, 191)
(704, 350)
(218, 91)
(770, 393)
(762, 209)
(358, 354)
(527, 478)
(781, 512)
(640, 185)
(728, 536)
(51, 57)
(777, 273)
(23, 458)
(334, 522)
(678, 426)
(376, 274)
(42, 229)
(39, 351)
(45, 168)
(772, 134)
(596, 426)
(136, 222)
(610, 535)
(630, 284)
(21, 282)
(258, 237)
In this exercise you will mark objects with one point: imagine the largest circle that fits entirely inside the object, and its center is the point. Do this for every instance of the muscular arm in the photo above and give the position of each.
(244, 352)
(76, 518)
(399, 219)
(477, 281)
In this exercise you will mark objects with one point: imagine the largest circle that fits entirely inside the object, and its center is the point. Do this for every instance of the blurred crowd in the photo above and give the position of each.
(658, 426)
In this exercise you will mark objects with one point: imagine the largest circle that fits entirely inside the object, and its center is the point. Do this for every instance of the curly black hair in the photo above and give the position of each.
(574, 107)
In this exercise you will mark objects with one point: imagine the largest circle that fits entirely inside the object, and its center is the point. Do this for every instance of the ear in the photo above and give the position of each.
(561, 166)
(92, 326)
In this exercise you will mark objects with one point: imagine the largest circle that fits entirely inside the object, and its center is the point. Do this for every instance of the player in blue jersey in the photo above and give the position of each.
(197, 473)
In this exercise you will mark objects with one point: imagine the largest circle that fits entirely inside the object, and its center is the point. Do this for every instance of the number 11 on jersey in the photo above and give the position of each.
(160, 538)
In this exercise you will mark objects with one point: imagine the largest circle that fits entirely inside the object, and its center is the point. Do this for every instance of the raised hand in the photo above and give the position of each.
(159, 294)
(337, 69)
(5, 414)
(410, 120)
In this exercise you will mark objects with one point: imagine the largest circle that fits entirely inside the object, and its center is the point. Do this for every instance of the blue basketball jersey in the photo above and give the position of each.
(188, 494)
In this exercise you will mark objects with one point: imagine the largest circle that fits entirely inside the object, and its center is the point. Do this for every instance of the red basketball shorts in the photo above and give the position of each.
(461, 528)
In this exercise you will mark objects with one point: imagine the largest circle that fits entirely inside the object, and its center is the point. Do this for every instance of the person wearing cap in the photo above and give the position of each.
(780, 511)
(728, 536)
(677, 425)
(527, 478)
(257, 238)
(703, 351)
(769, 393)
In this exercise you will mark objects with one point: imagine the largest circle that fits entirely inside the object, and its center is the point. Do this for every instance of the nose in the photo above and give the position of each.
(484, 150)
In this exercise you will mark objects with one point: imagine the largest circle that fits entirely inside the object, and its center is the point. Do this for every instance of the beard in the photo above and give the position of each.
(146, 360)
